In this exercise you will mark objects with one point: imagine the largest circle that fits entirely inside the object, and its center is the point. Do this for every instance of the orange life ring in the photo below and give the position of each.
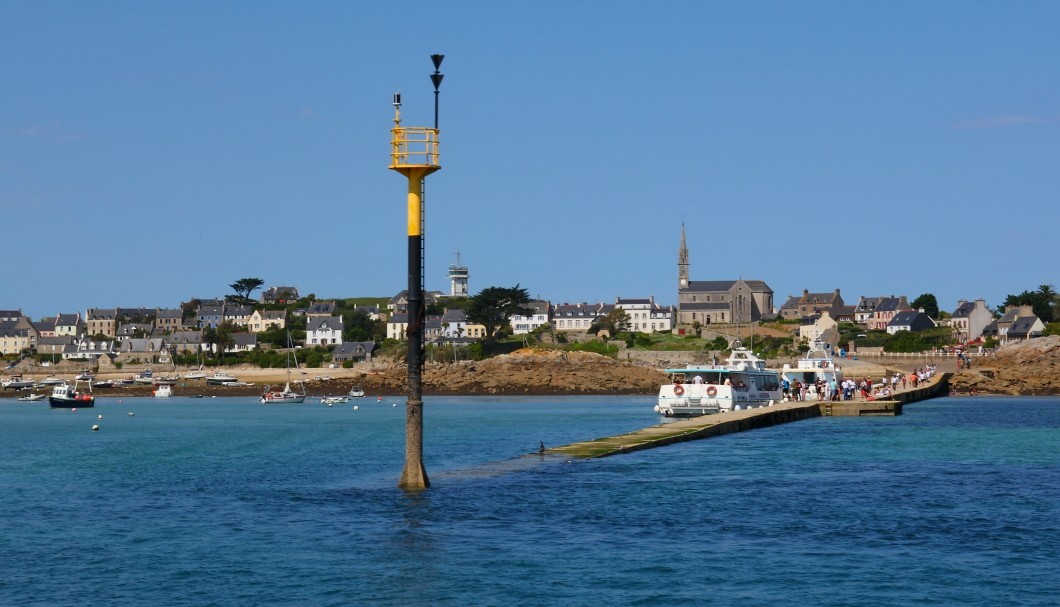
(712, 391)
(679, 390)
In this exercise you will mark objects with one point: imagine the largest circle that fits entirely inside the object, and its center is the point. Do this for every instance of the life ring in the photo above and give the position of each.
(712, 391)
(679, 389)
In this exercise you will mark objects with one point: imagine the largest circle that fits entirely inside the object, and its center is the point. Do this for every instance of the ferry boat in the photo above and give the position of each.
(65, 396)
(743, 382)
(816, 364)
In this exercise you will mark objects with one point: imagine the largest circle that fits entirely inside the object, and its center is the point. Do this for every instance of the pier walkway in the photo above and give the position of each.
(707, 426)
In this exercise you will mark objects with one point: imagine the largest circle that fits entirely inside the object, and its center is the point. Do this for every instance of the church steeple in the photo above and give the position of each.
(682, 261)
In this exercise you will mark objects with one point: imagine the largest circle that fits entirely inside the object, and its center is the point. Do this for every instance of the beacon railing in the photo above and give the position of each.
(413, 146)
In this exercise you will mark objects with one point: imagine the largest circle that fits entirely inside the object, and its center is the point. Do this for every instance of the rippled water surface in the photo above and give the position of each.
(228, 502)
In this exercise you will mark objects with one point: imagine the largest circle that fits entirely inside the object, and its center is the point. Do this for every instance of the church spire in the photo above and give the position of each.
(682, 261)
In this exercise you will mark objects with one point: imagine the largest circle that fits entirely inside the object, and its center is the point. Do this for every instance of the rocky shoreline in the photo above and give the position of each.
(1026, 368)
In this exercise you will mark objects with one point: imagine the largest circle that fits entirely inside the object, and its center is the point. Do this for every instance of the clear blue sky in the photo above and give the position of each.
(152, 152)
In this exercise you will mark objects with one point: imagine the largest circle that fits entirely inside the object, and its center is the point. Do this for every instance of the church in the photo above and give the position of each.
(718, 301)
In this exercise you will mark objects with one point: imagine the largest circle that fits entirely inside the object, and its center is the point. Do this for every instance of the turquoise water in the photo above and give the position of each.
(228, 502)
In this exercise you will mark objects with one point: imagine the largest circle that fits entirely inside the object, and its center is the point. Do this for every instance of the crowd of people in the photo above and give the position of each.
(850, 388)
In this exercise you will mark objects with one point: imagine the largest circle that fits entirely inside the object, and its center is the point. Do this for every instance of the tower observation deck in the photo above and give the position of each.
(458, 278)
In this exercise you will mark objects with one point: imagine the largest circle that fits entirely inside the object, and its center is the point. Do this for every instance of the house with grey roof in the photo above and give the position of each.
(131, 330)
(397, 326)
(357, 351)
(969, 319)
(53, 344)
(886, 310)
(45, 327)
(210, 316)
(262, 320)
(143, 349)
(321, 308)
(399, 304)
(101, 321)
(521, 325)
(186, 341)
(323, 331)
(279, 295)
(243, 342)
(237, 315)
(576, 317)
(69, 324)
(1025, 327)
(808, 304)
(168, 320)
(645, 316)
(11, 315)
(910, 320)
(90, 349)
(17, 336)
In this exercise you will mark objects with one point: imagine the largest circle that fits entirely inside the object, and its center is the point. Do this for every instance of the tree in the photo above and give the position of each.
(245, 286)
(614, 322)
(1042, 301)
(492, 308)
(929, 303)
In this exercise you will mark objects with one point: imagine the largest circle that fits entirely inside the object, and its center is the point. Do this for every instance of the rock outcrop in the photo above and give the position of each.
(1025, 368)
(528, 372)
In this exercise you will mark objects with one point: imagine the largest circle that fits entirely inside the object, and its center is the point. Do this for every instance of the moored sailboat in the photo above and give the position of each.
(287, 395)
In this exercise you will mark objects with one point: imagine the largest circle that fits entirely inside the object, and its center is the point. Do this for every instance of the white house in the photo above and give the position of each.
(397, 326)
(542, 315)
(576, 317)
(323, 331)
(645, 316)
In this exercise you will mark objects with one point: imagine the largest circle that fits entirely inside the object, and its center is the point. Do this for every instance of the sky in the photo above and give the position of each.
(153, 152)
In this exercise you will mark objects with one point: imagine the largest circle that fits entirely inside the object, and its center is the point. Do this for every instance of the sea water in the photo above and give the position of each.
(228, 502)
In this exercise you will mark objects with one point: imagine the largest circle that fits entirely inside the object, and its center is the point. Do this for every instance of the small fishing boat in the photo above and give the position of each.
(356, 392)
(65, 396)
(163, 391)
(32, 398)
(334, 400)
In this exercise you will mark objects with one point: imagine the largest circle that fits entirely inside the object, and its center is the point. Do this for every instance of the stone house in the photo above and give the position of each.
(970, 319)
(809, 304)
(101, 321)
(168, 320)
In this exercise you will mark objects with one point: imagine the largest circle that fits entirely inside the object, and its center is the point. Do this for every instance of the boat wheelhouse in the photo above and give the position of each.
(65, 396)
(743, 382)
(816, 365)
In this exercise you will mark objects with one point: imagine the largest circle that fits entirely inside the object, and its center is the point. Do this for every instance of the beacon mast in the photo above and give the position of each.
(414, 154)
